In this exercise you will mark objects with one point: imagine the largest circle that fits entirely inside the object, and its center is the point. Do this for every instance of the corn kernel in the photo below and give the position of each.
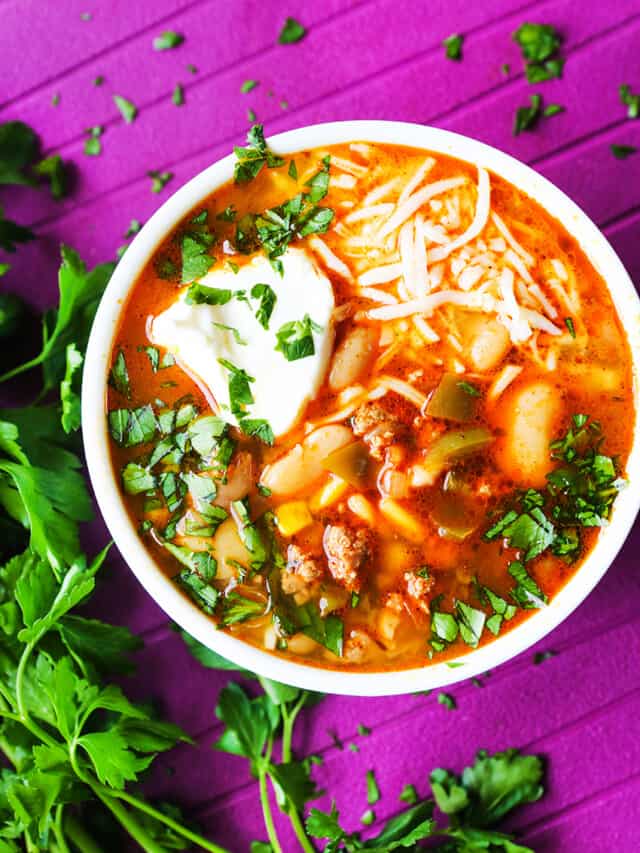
(408, 524)
(329, 493)
(292, 517)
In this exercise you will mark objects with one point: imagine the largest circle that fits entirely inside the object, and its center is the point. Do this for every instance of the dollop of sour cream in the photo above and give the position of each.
(196, 336)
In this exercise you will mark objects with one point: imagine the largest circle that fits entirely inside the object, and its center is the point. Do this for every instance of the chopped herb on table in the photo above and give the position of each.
(453, 47)
(248, 86)
(621, 152)
(291, 32)
(527, 117)
(177, 97)
(128, 110)
(93, 146)
(539, 44)
(168, 40)
(159, 180)
(448, 701)
(630, 100)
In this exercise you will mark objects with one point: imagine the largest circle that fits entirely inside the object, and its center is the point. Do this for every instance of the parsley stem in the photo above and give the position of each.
(266, 812)
(58, 832)
(78, 835)
(288, 719)
(126, 820)
(168, 821)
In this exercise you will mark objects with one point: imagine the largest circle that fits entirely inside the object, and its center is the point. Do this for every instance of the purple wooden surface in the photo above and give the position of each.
(365, 59)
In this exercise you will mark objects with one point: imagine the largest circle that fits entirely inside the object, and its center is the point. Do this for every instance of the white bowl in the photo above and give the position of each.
(163, 590)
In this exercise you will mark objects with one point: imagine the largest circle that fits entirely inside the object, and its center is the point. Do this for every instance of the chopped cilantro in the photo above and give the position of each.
(237, 608)
(134, 227)
(319, 183)
(159, 180)
(470, 623)
(267, 297)
(252, 157)
(527, 594)
(177, 96)
(505, 69)
(538, 42)
(128, 110)
(373, 791)
(55, 99)
(119, 376)
(453, 46)
(240, 394)
(541, 657)
(129, 427)
(251, 116)
(200, 294)
(192, 69)
(540, 73)
(259, 428)
(409, 795)
(168, 40)
(228, 214)
(99, 80)
(195, 244)
(621, 152)
(92, 145)
(236, 334)
(363, 730)
(448, 701)
(248, 85)
(291, 32)
(137, 479)
(568, 321)
(552, 110)
(527, 117)
(292, 171)
(284, 105)
(153, 355)
(630, 100)
(249, 533)
(295, 339)
(265, 491)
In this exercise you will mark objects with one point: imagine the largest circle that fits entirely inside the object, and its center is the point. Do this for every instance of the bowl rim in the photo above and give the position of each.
(164, 592)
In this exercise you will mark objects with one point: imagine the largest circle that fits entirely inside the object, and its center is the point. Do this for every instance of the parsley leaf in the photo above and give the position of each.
(267, 296)
(119, 376)
(201, 294)
(453, 46)
(319, 183)
(537, 41)
(69, 390)
(128, 110)
(240, 394)
(630, 100)
(621, 152)
(527, 117)
(92, 145)
(254, 156)
(291, 32)
(295, 339)
(527, 594)
(168, 40)
(177, 96)
(159, 180)
(195, 244)
(248, 86)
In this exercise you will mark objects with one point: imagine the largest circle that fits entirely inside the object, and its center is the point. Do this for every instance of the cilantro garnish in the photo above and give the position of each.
(237, 608)
(630, 100)
(373, 791)
(448, 701)
(267, 297)
(539, 44)
(177, 96)
(259, 428)
(292, 171)
(319, 183)
(119, 376)
(527, 117)
(168, 40)
(199, 294)
(128, 110)
(228, 214)
(526, 593)
(552, 110)
(236, 334)
(254, 156)
(291, 32)
(621, 152)
(98, 81)
(195, 244)
(295, 339)
(248, 86)
(159, 180)
(249, 533)
(129, 427)
(92, 145)
(453, 46)
(568, 321)
(251, 116)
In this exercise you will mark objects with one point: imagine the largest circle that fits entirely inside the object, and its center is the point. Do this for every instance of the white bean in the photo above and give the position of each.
(352, 357)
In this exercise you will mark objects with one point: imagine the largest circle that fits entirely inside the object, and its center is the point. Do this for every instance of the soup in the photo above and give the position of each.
(369, 405)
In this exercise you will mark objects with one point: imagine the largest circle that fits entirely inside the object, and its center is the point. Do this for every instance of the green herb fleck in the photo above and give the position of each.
(159, 180)
(373, 791)
(527, 117)
(292, 32)
(248, 86)
(92, 145)
(128, 110)
(177, 96)
(168, 40)
(621, 152)
(295, 339)
(453, 47)
(448, 701)
(630, 100)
